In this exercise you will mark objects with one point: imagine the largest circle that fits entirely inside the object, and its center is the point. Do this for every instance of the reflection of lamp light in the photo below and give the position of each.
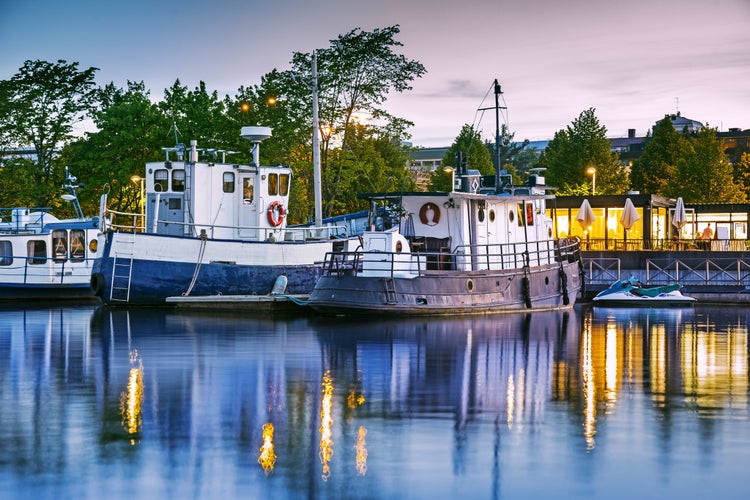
(452, 171)
(326, 424)
(267, 458)
(592, 171)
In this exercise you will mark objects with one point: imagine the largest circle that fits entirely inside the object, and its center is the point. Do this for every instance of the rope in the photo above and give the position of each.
(296, 300)
(204, 238)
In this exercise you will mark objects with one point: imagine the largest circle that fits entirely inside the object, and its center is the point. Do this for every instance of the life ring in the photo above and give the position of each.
(97, 284)
(429, 214)
(276, 213)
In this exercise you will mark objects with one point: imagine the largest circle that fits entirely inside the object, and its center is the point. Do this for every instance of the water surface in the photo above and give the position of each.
(590, 403)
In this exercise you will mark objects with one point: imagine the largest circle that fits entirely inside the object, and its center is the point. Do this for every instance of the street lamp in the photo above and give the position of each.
(592, 171)
(452, 171)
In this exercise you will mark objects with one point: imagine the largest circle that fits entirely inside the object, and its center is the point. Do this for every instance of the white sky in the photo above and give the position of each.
(632, 60)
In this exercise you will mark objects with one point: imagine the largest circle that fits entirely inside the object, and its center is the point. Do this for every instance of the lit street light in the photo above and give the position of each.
(592, 171)
(452, 171)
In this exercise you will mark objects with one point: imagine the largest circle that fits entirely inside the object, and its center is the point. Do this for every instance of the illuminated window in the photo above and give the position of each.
(6, 253)
(60, 244)
(284, 184)
(229, 182)
(161, 180)
(273, 184)
(37, 251)
(77, 247)
(248, 190)
(178, 181)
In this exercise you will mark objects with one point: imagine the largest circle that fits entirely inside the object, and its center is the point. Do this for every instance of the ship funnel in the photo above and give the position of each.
(256, 135)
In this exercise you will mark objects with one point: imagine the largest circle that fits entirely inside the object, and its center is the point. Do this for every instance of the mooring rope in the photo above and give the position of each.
(204, 238)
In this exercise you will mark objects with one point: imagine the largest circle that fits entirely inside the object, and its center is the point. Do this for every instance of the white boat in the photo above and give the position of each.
(43, 257)
(212, 228)
(633, 293)
(470, 250)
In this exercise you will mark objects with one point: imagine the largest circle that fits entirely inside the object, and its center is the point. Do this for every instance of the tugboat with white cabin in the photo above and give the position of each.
(468, 251)
(212, 228)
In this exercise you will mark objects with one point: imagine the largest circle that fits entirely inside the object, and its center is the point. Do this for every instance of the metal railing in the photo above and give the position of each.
(619, 244)
(495, 257)
(703, 272)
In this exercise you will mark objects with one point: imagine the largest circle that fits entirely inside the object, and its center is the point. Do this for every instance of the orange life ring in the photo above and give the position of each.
(276, 213)
(427, 218)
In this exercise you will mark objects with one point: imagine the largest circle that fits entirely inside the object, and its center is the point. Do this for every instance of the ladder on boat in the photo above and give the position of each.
(122, 267)
(390, 291)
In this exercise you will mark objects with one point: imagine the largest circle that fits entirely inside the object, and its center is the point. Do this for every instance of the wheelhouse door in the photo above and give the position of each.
(248, 206)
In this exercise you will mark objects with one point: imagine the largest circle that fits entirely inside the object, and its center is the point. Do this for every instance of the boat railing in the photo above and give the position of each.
(462, 258)
(135, 222)
(40, 269)
(23, 220)
(665, 244)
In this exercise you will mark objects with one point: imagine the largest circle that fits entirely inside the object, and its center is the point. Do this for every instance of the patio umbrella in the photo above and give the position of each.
(679, 218)
(629, 217)
(586, 218)
(585, 215)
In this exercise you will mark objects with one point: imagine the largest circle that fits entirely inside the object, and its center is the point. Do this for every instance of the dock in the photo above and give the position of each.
(246, 303)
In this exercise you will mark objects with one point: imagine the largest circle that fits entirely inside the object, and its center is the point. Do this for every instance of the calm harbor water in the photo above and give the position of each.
(590, 403)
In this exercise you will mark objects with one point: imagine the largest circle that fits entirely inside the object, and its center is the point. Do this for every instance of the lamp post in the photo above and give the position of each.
(592, 171)
(452, 171)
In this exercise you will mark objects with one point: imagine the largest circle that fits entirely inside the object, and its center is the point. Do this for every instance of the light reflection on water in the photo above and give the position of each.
(612, 403)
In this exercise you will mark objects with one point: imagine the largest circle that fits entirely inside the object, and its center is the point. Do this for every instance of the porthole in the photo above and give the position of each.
(92, 246)
(399, 247)
(549, 232)
(546, 280)
(511, 216)
(470, 285)
(492, 215)
(480, 215)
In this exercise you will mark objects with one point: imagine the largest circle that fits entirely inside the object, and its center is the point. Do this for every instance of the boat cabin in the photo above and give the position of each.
(222, 200)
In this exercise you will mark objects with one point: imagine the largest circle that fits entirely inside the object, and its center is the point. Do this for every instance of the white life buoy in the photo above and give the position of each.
(276, 213)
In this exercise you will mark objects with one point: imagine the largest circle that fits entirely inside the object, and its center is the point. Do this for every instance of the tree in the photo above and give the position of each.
(742, 174)
(577, 148)
(472, 149)
(131, 130)
(41, 103)
(704, 174)
(654, 172)
(356, 74)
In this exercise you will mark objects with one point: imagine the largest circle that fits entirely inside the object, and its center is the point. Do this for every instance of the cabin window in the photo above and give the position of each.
(6, 253)
(77, 247)
(525, 214)
(60, 244)
(178, 181)
(228, 182)
(175, 204)
(520, 215)
(283, 184)
(529, 214)
(273, 184)
(161, 180)
(36, 251)
(248, 190)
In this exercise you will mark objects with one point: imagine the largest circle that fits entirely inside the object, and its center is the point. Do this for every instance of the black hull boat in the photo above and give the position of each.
(457, 252)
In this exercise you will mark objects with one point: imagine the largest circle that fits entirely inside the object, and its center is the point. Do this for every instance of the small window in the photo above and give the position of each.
(77, 246)
(284, 184)
(248, 190)
(37, 251)
(178, 181)
(60, 244)
(229, 182)
(161, 180)
(273, 184)
(6, 253)
(175, 204)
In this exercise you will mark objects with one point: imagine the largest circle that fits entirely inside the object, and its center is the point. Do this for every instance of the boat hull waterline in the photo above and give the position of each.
(445, 294)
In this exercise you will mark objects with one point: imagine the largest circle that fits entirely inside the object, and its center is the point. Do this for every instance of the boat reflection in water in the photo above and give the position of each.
(579, 403)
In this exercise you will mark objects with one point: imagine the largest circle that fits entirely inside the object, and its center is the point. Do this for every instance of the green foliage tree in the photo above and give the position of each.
(472, 150)
(742, 174)
(131, 131)
(655, 171)
(356, 74)
(40, 105)
(704, 174)
(578, 147)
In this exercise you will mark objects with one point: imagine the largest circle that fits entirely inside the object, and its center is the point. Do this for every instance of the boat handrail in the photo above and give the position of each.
(485, 257)
(297, 233)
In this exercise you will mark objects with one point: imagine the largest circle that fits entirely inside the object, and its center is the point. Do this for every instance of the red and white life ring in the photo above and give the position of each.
(276, 213)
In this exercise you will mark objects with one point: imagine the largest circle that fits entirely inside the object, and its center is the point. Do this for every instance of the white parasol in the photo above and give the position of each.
(585, 215)
(679, 218)
(629, 217)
